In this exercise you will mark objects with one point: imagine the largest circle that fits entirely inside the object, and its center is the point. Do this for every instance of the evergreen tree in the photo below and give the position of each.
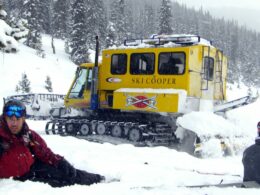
(96, 22)
(140, 30)
(111, 35)
(113, 20)
(31, 13)
(60, 18)
(145, 24)
(44, 15)
(129, 23)
(48, 84)
(149, 20)
(23, 85)
(17, 89)
(78, 42)
(101, 21)
(178, 17)
(10, 35)
(121, 21)
(13, 8)
(118, 17)
(165, 18)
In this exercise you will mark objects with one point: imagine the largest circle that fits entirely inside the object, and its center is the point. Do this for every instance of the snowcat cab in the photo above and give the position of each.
(177, 78)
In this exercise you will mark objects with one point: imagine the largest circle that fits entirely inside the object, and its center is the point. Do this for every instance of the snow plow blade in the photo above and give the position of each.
(235, 104)
(246, 184)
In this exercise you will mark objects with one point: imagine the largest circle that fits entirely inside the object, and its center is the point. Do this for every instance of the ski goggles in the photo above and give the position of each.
(258, 125)
(14, 110)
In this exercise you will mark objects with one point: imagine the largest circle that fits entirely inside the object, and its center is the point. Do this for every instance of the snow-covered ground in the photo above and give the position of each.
(141, 170)
(60, 69)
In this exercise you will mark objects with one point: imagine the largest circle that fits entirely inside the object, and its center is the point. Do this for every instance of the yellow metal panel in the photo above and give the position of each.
(152, 102)
(103, 100)
(194, 80)
(78, 103)
(140, 81)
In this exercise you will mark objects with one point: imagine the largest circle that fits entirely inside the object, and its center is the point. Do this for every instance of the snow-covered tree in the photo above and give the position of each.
(129, 23)
(23, 85)
(78, 42)
(60, 21)
(146, 22)
(13, 8)
(17, 89)
(118, 17)
(48, 84)
(165, 22)
(140, 25)
(111, 35)
(9, 35)
(96, 22)
(44, 15)
(32, 14)
(150, 20)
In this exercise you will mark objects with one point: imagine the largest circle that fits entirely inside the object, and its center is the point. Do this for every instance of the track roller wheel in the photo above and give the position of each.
(53, 128)
(60, 130)
(71, 129)
(117, 131)
(47, 128)
(135, 134)
(85, 129)
(100, 129)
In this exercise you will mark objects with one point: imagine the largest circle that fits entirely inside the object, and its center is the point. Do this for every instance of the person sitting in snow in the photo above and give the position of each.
(251, 160)
(24, 155)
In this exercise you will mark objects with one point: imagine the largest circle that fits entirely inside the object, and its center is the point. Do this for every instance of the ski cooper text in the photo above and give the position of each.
(153, 80)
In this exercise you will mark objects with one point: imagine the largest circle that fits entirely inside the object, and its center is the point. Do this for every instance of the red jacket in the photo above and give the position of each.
(21, 150)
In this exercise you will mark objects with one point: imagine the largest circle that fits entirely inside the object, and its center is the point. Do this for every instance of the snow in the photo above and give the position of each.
(60, 69)
(8, 41)
(219, 125)
(3, 13)
(141, 170)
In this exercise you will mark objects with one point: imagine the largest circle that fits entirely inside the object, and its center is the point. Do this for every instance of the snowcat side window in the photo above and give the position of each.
(171, 63)
(208, 68)
(79, 85)
(118, 64)
(142, 63)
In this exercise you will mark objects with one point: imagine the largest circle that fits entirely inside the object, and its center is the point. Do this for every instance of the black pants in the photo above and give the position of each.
(42, 172)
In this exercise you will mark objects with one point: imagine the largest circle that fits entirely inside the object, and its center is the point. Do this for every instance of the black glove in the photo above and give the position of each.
(67, 168)
(86, 178)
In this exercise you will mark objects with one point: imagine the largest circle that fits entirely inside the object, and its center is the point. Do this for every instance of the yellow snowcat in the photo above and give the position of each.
(140, 88)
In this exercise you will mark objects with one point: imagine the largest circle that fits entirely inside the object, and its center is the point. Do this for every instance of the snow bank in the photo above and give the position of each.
(209, 124)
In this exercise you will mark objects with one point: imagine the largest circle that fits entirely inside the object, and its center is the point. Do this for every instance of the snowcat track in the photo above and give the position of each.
(115, 132)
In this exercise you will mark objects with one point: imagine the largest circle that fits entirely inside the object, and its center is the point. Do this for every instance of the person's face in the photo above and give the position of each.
(14, 124)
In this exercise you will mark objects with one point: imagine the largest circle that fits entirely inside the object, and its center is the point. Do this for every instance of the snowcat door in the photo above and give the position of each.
(207, 84)
(79, 93)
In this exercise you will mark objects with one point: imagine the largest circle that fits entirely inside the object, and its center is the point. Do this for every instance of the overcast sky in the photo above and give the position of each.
(246, 12)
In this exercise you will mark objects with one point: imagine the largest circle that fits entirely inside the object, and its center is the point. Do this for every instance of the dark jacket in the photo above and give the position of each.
(251, 162)
(19, 151)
